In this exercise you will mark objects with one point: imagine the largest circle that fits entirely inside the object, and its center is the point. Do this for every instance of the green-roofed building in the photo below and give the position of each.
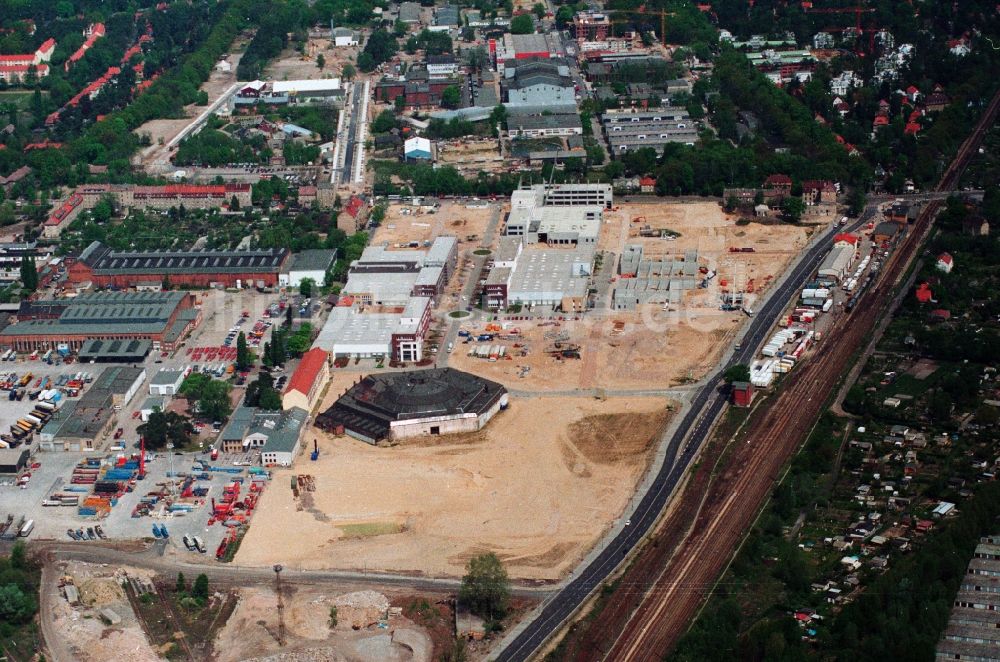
(163, 318)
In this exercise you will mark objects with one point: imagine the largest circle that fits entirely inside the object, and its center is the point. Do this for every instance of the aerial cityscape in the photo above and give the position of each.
(454, 330)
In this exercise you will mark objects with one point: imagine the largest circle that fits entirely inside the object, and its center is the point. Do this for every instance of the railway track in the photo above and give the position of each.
(671, 601)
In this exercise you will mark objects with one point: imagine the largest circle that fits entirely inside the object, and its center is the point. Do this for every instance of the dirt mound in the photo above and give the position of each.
(617, 438)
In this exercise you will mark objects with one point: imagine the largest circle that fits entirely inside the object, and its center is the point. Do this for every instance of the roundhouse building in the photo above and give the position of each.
(104, 267)
(397, 405)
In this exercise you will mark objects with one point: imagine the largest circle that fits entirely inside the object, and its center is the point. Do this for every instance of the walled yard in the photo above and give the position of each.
(471, 156)
(539, 497)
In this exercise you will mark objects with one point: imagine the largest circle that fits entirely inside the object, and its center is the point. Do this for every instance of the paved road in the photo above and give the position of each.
(695, 425)
(347, 172)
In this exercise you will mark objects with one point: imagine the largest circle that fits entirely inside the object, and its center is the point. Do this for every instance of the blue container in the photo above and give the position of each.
(86, 511)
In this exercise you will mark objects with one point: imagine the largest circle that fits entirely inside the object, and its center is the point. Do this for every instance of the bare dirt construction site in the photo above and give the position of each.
(646, 349)
(705, 227)
(82, 630)
(472, 156)
(292, 65)
(406, 223)
(369, 628)
(539, 496)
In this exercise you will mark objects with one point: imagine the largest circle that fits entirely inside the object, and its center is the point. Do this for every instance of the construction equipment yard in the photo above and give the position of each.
(624, 350)
(540, 496)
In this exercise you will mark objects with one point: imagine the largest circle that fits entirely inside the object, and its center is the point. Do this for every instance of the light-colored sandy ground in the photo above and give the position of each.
(451, 218)
(652, 350)
(538, 495)
(82, 629)
(704, 227)
(250, 632)
(471, 155)
(292, 65)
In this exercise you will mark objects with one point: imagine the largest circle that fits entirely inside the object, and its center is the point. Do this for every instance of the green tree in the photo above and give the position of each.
(19, 556)
(16, 606)
(539, 10)
(333, 616)
(320, 61)
(244, 359)
(165, 427)
(737, 373)
(306, 286)
(485, 587)
(29, 274)
(348, 72)
(792, 209)
(384, 122)
(451, 96)
(366, 62)
(181, 585)
(199, 591)
(522, 24)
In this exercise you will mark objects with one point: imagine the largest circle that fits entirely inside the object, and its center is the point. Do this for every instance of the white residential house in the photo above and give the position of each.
(822, 40)
(343, 37)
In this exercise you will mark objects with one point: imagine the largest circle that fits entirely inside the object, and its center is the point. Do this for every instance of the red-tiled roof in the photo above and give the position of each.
(945, 258)
(845, 236)
(924, 293)
(354, 206)
(778, 180)
(309, 369)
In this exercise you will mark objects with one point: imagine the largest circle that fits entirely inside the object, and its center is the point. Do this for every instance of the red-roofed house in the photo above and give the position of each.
(845, 238)
(945, 263)
(940, 315)
(880, 120)
(647, 185)
(308, 380)
(94, 32)
(912, 93)
(924, 293)
(354, 215)
(16, 73)
(912, 129)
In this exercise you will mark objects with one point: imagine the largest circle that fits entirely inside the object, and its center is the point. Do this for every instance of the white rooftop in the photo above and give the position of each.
(305, 85)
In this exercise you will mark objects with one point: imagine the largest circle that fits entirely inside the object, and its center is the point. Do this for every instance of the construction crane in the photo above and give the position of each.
(281, 604)
(641, 11)
(142, 458)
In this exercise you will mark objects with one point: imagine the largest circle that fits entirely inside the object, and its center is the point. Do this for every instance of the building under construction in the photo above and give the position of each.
(655, 280)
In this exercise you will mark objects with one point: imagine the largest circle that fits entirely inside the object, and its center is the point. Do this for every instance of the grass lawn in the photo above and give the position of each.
(370, 529)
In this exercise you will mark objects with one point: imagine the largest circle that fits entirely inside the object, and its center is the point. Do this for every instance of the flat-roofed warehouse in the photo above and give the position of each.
(397, 405)
(630, 130)
(102, 266)
(79, 424)
(161, 317)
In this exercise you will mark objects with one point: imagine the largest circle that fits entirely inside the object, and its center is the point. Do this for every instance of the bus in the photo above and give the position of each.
(26, 529)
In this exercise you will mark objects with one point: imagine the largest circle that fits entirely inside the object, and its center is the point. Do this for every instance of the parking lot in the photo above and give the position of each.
(221, 312)
(53, 476)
